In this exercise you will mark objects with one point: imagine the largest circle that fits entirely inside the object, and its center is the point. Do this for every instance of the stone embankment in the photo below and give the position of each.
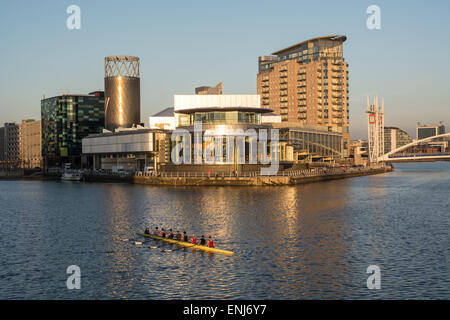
(252, 179)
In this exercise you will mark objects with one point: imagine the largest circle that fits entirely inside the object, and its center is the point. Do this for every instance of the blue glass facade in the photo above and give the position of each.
(66, 120)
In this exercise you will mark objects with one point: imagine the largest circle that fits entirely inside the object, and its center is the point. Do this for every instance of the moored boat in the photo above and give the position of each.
(71, 176)
(187, 244)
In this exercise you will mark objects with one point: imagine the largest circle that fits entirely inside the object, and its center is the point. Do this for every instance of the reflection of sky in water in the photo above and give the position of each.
(306, 241)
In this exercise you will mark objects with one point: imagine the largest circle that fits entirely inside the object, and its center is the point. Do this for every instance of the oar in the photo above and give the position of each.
(153, 247)
(171, 250)
(180, 247)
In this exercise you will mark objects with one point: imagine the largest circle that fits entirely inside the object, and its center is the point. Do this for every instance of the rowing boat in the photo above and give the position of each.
(186, 244)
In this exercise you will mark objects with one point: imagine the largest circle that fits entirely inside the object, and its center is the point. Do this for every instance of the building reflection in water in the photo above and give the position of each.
(287, 229)
(375, 194)
(311, 231)
(119, 209)
(297, 235)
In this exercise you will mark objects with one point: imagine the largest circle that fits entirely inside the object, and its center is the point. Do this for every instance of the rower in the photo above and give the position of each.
(202, 240)
(156, 232)
(178, 236)
(170, 236)
(194, 239)
(185, 237)
(163, 233)
(210, 242)
(147, 230)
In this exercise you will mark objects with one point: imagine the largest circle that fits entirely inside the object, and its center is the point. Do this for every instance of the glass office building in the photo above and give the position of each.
(66, 120)
(225, 117)
(426, 131)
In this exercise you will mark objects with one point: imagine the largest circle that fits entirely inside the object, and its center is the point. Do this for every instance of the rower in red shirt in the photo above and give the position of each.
(194, 239)
(210, 242)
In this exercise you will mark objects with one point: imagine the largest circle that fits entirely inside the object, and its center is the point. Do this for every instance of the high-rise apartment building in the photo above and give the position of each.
(66, 120)
(30, 144)
(307, 83)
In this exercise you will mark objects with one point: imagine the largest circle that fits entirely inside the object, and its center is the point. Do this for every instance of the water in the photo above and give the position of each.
(310, 241)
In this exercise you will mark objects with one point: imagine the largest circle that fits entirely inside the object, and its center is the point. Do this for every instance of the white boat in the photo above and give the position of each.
(71, 176)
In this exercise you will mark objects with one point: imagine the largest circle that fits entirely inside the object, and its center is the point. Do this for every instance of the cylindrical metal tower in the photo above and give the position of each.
(122, 92)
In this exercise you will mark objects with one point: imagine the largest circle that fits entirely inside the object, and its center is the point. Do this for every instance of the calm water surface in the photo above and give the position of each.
(310, 241)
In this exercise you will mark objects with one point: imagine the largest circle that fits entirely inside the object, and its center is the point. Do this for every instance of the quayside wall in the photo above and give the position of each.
(256, 180)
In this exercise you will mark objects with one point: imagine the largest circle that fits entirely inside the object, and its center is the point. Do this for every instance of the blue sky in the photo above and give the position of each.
(184, 44)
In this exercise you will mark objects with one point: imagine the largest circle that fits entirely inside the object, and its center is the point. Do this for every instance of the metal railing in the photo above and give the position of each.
(104, 172)
(418, 154)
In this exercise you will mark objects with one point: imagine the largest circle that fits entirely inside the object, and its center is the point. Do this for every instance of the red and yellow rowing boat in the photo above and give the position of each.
(186, 244)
